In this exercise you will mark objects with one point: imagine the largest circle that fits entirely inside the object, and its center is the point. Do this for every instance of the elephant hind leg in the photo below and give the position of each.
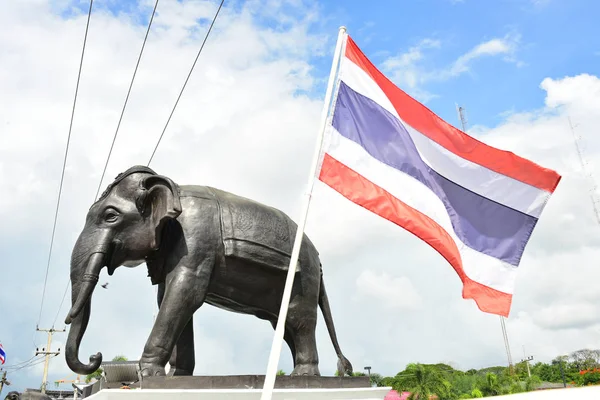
(302, 331)
(288, 339)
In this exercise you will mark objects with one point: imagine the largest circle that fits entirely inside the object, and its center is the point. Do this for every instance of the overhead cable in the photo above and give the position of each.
(186, 81)
(126, 99)
(65, 161)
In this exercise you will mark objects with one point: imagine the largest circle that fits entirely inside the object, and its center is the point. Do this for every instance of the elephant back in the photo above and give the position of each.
(259, 233)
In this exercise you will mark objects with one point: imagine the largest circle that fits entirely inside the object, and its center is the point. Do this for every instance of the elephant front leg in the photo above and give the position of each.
(183, 358)
(184, 294)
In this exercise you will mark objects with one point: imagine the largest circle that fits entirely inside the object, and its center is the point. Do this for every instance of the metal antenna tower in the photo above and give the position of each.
(462, 117)
(506, 345)
(586, 171)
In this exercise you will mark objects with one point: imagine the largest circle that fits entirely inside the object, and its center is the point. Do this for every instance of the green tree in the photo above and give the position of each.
(422, 381)
(281, 372)
(376, 379)
(590, 378)
(473, 394)
(491, 386)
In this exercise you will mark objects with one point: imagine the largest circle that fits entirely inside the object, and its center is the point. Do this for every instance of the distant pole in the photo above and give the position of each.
(527, 359)
(271, 374)
(3, 382)
(562, 371)
(47, 353)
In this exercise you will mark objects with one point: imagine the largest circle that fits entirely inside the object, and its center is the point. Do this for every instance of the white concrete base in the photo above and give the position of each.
(377, 393)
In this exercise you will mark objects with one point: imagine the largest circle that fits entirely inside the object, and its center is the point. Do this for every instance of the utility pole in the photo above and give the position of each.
(527, 359)
(463, 121)
(47, 353)
(3, 381)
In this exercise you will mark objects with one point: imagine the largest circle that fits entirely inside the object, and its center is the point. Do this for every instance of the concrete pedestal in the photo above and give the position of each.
(241, 394)
(243, 387)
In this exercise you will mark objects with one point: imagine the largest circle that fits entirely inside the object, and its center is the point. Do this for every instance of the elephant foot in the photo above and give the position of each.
(306, 369)
(149, 369)
(174, 371)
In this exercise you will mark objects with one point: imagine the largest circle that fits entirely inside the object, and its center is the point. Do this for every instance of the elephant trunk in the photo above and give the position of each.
(85, 285)
(84, 277)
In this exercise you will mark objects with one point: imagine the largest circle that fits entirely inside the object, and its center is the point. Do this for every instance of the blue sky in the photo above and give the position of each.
(556, 39)
(552, 38)
(488, 56)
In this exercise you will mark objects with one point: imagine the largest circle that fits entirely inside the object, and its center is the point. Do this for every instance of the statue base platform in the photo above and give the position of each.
(243, 387)
(376, 393)
(249, 382)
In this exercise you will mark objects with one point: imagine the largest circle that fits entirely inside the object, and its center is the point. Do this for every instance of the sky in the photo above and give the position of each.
(247, 123)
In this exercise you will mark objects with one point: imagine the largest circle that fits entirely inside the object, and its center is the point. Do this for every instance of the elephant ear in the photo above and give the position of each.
(159, 202)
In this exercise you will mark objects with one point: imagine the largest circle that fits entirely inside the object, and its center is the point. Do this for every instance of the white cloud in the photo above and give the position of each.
(405, 69)
(388, 291)
(494, 47)
(409, 71)
(243, 126)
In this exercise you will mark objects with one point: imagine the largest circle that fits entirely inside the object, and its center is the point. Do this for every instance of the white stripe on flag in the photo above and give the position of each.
(481, 180)
(479, 267)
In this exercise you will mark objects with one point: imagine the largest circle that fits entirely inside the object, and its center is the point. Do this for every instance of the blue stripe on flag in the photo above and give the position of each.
(480, 223)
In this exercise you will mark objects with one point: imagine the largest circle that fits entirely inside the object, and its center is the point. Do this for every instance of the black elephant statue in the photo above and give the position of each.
(201, 245)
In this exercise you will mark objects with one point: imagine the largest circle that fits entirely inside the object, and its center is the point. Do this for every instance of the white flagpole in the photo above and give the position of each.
(287, 291)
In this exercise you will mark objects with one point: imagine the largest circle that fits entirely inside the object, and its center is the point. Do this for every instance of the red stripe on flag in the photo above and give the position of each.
(372, 197)
(425, 121)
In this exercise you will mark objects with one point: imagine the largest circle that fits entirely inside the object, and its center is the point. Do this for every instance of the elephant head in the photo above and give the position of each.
(123, 227)
(12, 396)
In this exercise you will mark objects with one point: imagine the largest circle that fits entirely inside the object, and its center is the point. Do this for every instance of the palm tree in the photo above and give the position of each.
(422, 382)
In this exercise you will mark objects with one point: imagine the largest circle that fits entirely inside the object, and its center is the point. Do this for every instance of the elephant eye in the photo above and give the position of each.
(110, 217)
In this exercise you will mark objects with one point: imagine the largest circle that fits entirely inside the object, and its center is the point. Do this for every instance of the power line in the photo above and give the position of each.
(65, 160)
(126, 99)
(186, 81)
(114, 139)
(13, 366)
(123, 111)
(33, 364)
(61, 302)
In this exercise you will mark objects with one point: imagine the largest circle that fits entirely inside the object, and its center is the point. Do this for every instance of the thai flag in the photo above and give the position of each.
(2, 355)
(476, 205)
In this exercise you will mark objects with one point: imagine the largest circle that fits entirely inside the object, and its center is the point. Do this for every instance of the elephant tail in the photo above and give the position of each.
(343, 365)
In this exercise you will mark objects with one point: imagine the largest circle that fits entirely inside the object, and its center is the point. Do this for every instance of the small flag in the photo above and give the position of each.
(2, 355)
(475, 204)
